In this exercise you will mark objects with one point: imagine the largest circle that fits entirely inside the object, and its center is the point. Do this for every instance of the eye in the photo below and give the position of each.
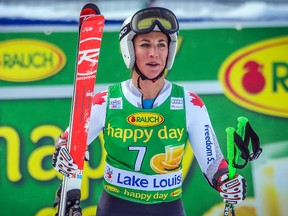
(144, 45)
(162, 45)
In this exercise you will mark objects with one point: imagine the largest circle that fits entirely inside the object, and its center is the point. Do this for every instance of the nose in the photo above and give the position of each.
(153, 51)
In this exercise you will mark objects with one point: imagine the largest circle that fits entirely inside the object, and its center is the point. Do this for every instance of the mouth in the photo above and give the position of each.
(153, 64)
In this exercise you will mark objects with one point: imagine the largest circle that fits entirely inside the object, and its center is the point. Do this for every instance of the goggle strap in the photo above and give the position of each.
(124, 31)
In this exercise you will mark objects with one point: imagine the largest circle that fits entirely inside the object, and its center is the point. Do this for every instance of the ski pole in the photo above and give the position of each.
(233, 153)
(231, 148)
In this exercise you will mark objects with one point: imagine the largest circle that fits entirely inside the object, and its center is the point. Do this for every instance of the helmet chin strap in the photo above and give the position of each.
(143, 77)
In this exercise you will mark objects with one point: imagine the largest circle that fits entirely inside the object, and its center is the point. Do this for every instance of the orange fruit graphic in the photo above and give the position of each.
(168, 161)
(173, 163)
(156, 163)
(173, 151)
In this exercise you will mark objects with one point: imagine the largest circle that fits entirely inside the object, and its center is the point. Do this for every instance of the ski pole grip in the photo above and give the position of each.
(230, 151)
(241, 126)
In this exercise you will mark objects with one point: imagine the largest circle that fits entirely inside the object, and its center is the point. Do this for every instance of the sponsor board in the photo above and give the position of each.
(25, 60)
(256, 76)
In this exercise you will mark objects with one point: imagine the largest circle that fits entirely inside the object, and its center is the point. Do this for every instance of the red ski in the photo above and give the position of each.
(91, 25)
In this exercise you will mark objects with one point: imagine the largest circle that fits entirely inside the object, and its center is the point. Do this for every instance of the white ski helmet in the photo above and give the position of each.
(145, 21)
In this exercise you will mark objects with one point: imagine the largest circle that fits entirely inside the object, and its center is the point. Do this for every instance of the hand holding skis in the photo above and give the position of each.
(63, 163)
(61, 159)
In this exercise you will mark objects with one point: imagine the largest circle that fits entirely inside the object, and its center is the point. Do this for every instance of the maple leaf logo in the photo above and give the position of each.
(99, 98)
(196, 100)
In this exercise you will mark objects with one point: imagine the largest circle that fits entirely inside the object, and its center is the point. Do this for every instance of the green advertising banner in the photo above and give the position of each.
(236, 72)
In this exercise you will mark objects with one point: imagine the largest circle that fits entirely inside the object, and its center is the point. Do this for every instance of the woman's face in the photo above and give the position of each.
(151, 52)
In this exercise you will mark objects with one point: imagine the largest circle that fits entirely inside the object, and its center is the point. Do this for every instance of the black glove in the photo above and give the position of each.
(72, 202)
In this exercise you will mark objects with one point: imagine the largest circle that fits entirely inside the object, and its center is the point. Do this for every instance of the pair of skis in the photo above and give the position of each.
(91, 26)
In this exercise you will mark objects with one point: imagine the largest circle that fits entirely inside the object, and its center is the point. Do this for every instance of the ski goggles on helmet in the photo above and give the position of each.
(145, 20)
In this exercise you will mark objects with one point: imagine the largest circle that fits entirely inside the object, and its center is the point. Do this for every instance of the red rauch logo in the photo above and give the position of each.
(256, 77)
(145, 119)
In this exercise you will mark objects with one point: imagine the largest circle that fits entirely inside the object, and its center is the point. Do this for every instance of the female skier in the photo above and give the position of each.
(146, 122)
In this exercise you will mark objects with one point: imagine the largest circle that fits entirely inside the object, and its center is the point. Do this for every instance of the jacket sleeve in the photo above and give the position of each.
(203, 139)
(98, 115)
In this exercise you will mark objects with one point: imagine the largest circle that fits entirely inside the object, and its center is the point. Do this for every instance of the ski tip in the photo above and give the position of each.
(90, 9)
(87, 11)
